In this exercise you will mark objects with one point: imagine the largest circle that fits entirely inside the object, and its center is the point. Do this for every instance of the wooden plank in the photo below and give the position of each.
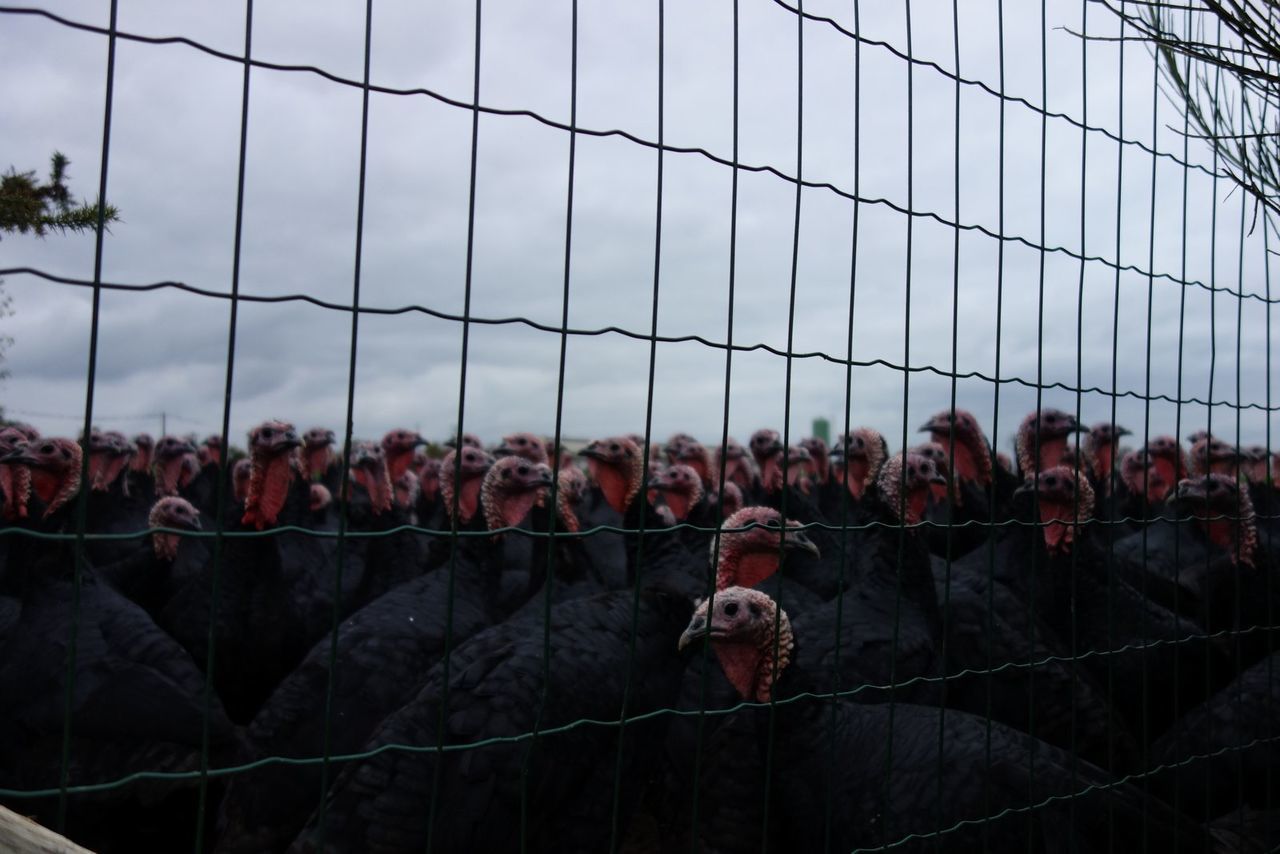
(23, 836)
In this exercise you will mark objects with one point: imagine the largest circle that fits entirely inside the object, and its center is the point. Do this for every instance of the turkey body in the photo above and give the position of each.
(138, 704)
(919, 769)
(381, 657)
(557, 790)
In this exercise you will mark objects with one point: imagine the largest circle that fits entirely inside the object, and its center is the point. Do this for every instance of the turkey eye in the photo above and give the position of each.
(731, 609)
(47, 449)
(524, 469)
(755, 610)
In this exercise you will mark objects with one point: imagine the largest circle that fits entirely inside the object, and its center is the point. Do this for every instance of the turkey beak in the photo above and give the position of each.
(503, 450)
(1190, 490)
(18, 457)
(797, 540)
(1122, 431)
(1027, 487)
(184, 524)
(592, 451)
(934, 425)
(545, 477)
(938, 480)
(698, 629)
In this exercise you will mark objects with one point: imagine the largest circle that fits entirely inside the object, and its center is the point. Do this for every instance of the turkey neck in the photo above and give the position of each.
(640, 514)
(479, 563)
(873, 552)
(33, 563)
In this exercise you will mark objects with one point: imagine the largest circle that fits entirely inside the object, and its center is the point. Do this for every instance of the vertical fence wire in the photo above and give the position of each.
(348, 427)
(1269, 485)
(953, 486)
(1115, 368)
(704, 651)
(224, 476)
(459, 439)
(1213, 327)
(1073, 641)
(1035, 439)
(843, 440)
(990, 548)
(1182, 320)
(1146, 631)
(553, 498)
(647, 450)
(91, 371)
(887, 783)
(1237, 615)
(787, 462)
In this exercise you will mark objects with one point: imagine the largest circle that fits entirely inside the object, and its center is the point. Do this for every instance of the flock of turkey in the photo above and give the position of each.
(723, 648)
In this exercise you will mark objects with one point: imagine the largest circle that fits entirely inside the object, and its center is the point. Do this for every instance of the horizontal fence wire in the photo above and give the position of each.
(230, 771)
(389, 90)
(1078, 651)
(585, 533)
(652, 337)
(907, 210)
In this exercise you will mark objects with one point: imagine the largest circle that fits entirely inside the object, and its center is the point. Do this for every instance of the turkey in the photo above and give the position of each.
(605, 656)
(1208, 565)
(276, 592)
(1232, 737)
(1134, 649)
(319, 462)
(381, 656)
(137, 700)
(847, 775)
(977, 493)
(164, 561)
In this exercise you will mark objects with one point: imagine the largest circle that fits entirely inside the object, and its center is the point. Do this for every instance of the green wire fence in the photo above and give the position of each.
(1102, 126)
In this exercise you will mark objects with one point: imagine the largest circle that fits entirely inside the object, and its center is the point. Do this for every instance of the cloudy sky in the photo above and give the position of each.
(868, 151)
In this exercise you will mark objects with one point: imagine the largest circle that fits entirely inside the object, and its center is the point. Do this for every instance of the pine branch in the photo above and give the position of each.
(30, 207)
(1239, 123)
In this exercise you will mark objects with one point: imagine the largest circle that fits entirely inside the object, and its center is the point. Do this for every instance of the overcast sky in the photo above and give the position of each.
(173, 165)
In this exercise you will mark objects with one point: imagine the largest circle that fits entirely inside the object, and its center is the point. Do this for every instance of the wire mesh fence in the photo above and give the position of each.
(1013, 631)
